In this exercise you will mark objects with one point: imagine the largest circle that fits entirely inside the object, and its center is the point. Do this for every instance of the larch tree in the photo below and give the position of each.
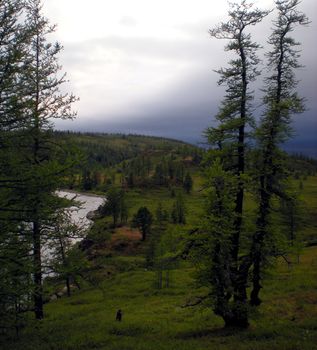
(46, 163)
(62, 237)
(14, 40)
(281, 101)
(228, 139)
(143, 220)
(15, 281)
(188, 183)
(235, 113)
(33, 165)
(115, 205)
(178, 213)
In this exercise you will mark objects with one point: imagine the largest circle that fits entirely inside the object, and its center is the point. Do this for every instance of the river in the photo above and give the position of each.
(88, 203)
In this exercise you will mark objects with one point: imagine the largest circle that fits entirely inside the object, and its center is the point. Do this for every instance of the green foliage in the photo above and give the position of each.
(188, 183)
(115, 206)
(66, 261)
(143, 219)
(213, 248)
(235, 114)
(138, 161)
(88, 182)
(281, 101)
(34, 165)
(178, 210)
(161, 215)
(35, 162)
(99, 231)
(131, 153)
(232, 255)
(15, 266)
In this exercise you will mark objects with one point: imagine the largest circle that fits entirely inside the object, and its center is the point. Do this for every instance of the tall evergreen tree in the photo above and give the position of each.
(281, 101)
(45, 103)
(213, 246)
(62, 236)
(14, 40)
(235, 113)
(143, 219)
(15, 281)
(178, 211)
(30, 100)
(229, 141)
(188, 183)
(115, 205)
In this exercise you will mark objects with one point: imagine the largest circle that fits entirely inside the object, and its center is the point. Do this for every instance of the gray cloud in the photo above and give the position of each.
(185, 106)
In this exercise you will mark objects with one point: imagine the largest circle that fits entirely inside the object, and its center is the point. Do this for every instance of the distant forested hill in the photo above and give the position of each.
(106, 150)
(128, 160)
(102, 150)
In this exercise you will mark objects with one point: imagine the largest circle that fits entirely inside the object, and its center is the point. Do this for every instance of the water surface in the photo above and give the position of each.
(88, 203)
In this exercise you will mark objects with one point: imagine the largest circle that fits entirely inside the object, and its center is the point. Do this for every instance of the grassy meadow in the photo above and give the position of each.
(308, 197)
(157, 319)
(163, 318)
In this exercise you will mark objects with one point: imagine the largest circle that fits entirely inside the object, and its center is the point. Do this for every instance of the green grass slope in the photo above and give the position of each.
(162, 318)
(157, 319)
(308, 197)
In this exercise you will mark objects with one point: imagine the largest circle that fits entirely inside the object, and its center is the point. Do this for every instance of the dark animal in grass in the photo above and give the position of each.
(119, 316)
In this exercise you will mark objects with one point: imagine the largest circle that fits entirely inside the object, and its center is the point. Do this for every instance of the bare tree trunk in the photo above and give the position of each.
(258, 239)
(240, 294)
(67, 279)
(37, 265)
(68, 286)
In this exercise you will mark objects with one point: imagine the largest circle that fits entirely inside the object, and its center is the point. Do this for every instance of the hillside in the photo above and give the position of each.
(153, 282)
(160, 316)
(113, 159)
(157, 319)
(106, 150)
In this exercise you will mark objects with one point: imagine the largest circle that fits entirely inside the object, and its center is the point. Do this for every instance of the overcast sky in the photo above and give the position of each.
(146, 66)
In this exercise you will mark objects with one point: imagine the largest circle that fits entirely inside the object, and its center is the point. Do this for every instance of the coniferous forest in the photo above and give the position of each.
(209, 246)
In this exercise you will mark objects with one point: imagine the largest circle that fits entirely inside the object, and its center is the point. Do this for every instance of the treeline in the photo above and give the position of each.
(142, 161)
(117, 208)
(141, 172)
(106, 150)
(129, 161)
(301, 165)
(167, 171)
